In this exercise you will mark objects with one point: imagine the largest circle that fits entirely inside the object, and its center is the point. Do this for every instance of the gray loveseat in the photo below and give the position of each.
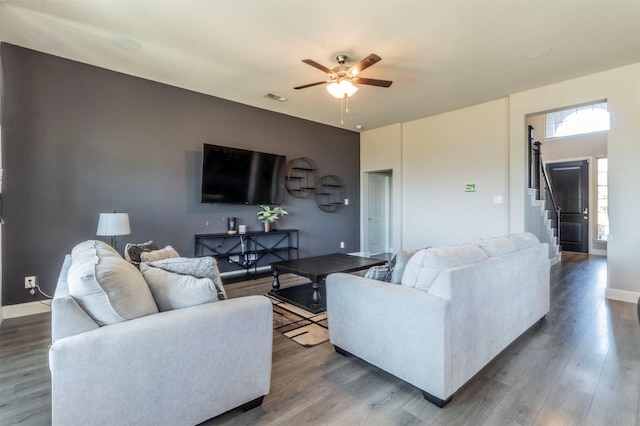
(176, 367)
(454, 309)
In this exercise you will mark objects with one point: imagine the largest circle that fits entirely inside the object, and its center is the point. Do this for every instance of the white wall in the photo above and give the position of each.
(441, 154)
(381, 150)
(486, 144)
(621, 88)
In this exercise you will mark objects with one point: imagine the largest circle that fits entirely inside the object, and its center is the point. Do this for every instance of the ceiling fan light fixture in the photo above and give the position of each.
(342, 89)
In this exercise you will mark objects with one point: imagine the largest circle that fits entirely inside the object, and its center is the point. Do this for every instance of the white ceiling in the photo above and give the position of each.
(441, 55)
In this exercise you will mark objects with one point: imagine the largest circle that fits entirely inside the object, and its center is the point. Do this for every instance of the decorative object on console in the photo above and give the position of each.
(300, 178)
(231, 225)
(269, 215)
(113, 225)
(330, 193)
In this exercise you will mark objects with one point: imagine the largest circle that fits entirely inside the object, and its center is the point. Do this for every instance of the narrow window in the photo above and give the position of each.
(577, 121)
(603, 200)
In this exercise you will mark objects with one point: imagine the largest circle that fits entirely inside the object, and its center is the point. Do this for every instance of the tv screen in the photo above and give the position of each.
(238, 176)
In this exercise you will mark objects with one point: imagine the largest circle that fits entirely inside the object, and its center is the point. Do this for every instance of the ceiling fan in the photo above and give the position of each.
(341, 78)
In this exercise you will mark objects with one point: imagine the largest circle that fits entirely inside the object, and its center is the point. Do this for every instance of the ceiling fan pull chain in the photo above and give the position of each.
(342, 111)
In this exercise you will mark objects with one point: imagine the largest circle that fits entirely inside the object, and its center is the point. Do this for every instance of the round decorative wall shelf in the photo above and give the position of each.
(300, 178)
(330, 193)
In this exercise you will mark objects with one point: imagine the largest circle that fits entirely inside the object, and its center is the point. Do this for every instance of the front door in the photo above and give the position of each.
(570, 185)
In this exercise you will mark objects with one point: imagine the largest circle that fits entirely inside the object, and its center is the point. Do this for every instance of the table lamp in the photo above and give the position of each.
(112, 225)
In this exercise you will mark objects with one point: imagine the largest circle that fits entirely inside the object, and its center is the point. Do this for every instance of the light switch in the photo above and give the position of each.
(497, 199)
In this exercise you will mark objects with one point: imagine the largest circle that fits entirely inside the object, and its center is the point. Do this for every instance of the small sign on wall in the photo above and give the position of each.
(470, 187)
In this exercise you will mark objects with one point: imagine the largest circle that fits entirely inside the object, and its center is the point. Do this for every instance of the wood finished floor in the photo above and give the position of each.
(580, 366)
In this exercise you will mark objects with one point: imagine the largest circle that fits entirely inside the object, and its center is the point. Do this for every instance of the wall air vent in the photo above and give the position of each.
(276, 97)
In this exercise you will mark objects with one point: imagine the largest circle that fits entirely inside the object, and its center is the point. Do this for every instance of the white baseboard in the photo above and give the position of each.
(24, 309)
(597, 252)
(622, 295)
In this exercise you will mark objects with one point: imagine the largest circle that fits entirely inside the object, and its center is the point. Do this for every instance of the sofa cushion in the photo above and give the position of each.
(524, 240)
(132, 251)
(175, 291)
(426, 265)
(107, 287)
(398, 264)
(498, 246)
(199, 267)
(165, 253)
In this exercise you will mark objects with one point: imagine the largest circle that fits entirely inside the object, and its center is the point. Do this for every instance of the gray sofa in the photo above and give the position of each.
(175, 367)
(451, 312)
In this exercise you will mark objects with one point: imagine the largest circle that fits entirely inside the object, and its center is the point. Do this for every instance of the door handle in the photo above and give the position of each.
(585, 211)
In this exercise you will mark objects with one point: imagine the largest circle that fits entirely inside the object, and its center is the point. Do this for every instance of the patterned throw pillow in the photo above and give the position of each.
(132, 251)
(379, 273)
(199, 267)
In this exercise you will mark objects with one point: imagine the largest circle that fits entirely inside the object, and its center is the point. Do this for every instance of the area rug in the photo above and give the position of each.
(303, 327)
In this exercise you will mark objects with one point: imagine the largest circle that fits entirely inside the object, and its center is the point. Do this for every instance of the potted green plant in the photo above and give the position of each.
(269, 215)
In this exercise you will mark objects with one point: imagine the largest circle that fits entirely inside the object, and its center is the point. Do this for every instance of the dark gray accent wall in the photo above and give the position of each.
(79, 140)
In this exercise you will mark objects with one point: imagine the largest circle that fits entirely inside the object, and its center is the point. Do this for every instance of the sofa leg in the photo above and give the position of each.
(252, 404)
(435, 400)
(341, 351)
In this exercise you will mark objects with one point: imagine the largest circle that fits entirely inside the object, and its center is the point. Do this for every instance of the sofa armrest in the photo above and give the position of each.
(400, 329)
(210, 358)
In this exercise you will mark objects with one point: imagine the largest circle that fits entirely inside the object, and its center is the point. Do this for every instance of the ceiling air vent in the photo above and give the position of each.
(276, 97)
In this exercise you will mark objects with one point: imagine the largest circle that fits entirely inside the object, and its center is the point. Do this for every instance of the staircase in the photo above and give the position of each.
(543, 215)
(540, 223)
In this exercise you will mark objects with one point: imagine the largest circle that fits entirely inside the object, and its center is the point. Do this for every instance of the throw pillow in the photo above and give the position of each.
(165, 253)
(379, 273)
(398, 264)
(107, 287)
(175, 291)
(199, 267)
(132, 251)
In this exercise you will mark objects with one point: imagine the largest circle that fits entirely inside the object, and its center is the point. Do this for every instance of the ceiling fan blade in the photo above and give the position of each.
(364, 64)
(372, 82)
(310, 85)
(317, 65)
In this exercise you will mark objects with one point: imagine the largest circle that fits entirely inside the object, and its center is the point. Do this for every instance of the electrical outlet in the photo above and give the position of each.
(341, 244)
(30, 282)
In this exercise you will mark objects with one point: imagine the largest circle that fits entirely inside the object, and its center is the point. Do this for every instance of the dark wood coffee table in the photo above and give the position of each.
(311, 296)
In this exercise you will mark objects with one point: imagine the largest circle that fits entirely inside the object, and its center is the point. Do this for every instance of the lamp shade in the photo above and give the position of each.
(112, 224)
(342, 89)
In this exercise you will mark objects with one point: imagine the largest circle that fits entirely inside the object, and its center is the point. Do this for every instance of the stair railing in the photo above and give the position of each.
(539, 181)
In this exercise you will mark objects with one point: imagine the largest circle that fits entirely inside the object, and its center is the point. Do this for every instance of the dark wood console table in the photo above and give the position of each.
(249, 250)
(311, 297)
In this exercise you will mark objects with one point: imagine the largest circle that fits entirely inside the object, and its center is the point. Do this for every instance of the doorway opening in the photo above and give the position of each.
(377, 212)
(573, 140)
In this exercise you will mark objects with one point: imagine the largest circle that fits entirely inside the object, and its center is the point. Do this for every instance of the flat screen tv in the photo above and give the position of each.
(238, 176)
